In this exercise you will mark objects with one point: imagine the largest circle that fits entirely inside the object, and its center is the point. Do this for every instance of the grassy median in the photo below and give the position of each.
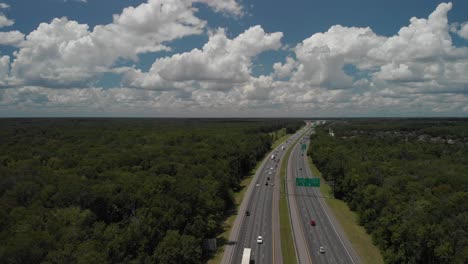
(287, 242)
(357, 235)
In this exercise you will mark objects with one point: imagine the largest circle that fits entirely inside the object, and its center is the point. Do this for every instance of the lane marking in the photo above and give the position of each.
(333, 226)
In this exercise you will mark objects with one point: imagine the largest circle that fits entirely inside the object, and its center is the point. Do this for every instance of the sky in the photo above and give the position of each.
(231, 58)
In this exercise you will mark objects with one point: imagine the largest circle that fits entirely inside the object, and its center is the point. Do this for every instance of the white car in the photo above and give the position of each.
(322, 250)
(258, 184)
(259, 240)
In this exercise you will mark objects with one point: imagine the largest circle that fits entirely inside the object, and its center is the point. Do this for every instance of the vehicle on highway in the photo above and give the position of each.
(272, 184)
(259, 240)
(312, 222)
(266, 183)
(322, 250)
(268, 178)
(300, 168)
(247, 213)
(246, 256)
(258, 184)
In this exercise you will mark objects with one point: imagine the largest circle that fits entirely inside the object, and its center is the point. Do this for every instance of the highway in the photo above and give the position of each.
(263, 220)
(309, 204)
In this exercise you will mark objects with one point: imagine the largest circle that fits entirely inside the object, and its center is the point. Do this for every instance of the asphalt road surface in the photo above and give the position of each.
(258, 200)
(311, 205)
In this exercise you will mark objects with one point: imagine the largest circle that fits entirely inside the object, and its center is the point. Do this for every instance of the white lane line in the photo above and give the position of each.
(334, 229)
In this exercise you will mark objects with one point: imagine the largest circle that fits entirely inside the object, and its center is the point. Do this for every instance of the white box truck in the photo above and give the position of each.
(246, 256)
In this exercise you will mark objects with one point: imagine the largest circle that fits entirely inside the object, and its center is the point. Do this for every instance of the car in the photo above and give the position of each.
(271, 168)
(268, 178)
(259, 240)
(300, 168)
(247, 213)
(312, 222)
(266, 183)
(258, 184)
(322, 250)
(272, 184)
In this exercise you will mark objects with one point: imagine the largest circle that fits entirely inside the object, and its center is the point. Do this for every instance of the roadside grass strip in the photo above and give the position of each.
(357, 235)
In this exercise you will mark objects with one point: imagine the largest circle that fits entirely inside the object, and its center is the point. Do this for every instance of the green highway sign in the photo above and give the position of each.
(308, 182)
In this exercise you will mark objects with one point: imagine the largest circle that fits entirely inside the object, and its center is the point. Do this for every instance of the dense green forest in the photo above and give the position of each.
(121, 190)
(406, 179)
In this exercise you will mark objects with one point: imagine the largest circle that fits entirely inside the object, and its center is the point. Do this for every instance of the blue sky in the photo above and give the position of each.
(225, 58)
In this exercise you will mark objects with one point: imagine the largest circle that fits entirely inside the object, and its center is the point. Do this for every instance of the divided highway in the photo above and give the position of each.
(305, 204)
(310, 205)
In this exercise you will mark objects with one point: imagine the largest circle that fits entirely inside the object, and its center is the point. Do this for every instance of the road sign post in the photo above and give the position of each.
(308, 182)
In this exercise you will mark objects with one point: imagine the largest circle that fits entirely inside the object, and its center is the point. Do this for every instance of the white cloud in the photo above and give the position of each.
(228, 6)
(284, 70)
(4, 68)
(221, 62)
(419, 59)
(321, 57)
(415, 72)
(4, 21)
(12, 38)
(65, 53)
(463, 32)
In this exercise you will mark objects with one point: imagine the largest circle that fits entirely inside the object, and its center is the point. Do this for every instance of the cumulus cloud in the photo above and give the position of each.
(4, 21)
(227, 6)
(65, 53)
(321, 57)
(286, 69)
(12, 38)
(463, 32)
(420, 58)
(418, 71)
(4, 68)
(221, 62)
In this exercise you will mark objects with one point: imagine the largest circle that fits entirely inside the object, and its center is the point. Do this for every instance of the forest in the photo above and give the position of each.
(407, 179)
(122, 190)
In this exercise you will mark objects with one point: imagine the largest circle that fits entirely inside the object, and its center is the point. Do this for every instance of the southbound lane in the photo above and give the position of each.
(260, 223)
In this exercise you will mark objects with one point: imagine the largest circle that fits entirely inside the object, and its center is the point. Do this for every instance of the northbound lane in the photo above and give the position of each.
(311, 205)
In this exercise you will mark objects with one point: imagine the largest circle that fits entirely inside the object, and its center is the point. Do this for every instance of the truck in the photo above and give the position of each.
(246, 256)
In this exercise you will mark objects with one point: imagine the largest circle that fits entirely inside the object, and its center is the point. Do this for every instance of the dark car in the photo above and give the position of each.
(312, 222)
(266, 183)
(247, 213)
